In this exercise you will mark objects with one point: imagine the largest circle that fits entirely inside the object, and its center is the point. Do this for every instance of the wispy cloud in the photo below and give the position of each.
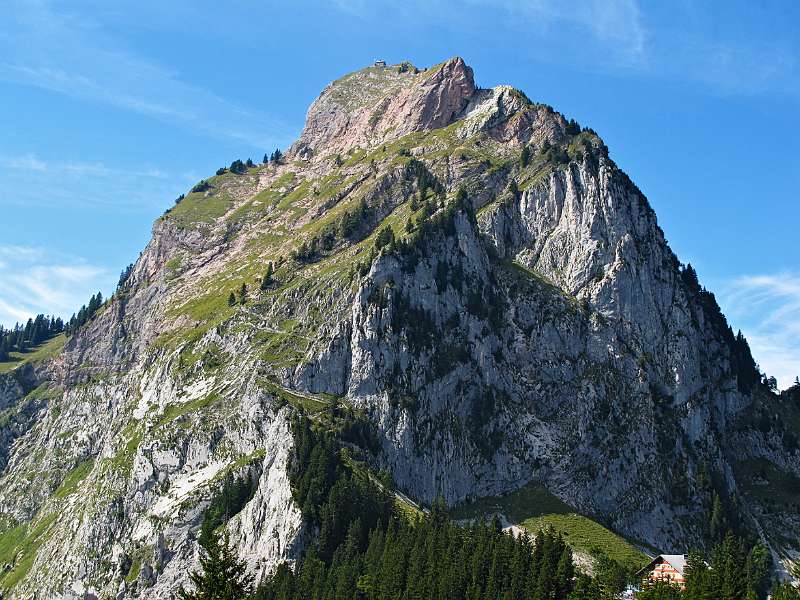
(31, 162)
(40, 281)
(46, 47)
(768, 308)
(615, 25)
(735, 48)
(30, 180)
(694, 47)
(26, 162)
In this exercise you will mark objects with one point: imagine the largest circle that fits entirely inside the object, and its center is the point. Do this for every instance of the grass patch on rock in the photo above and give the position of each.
(173, 412)
(42, 352)
(534, 508)
(73, 479)
(18, 547)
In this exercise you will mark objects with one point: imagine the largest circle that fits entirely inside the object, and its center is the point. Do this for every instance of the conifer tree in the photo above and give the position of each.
(223, 576)
(565, 572)
(384, 238)
(266, 281)
(572, 128)
(757, 570)
(699, 581)
(525, 156)
(585, 589)
(610, 577)
(718, 523)
(5, 344)
(785, 591)
(126, 273)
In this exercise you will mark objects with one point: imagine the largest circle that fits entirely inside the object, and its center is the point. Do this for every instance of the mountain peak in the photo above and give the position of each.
(478, 303)
(385, 102)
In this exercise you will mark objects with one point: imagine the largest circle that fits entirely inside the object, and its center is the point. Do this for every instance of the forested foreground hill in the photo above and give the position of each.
(372, 546)
(462, 289)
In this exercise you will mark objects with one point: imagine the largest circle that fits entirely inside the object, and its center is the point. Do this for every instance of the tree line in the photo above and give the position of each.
(84, 314)
(239, 166)
(23, 337)
(366, 547)
(742, 362)
(434, 558)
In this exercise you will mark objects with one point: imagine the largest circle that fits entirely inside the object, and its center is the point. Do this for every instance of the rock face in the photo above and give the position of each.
(529, 322)
(357, 111)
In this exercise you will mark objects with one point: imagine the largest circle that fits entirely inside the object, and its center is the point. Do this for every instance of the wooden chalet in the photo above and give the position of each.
(666, 567)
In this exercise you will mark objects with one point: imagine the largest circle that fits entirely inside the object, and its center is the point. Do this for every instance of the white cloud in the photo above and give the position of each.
(727, 63)
(21, 252)
(768, 308)
(46, 47)
(10, 314)
(40, 281)
(354, 7)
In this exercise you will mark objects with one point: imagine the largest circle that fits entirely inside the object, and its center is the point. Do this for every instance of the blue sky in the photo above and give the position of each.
(109, 110)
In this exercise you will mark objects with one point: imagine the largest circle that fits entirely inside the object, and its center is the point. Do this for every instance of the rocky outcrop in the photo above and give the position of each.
(584, 348)
(345, 117)
(14, 384)
(147, 462)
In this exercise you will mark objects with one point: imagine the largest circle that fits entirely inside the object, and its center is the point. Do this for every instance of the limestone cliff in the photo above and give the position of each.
(527, 322)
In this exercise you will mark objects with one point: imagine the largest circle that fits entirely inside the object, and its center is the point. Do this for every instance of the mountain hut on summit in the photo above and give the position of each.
(380, 63)
(666, 567)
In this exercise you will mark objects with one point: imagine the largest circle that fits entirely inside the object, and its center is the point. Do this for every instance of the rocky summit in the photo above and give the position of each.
(462, 277)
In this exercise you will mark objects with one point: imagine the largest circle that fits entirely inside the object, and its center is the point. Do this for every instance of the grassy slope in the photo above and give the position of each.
(41, 352)
(534, 508)
(19, 544)
(269, 217)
